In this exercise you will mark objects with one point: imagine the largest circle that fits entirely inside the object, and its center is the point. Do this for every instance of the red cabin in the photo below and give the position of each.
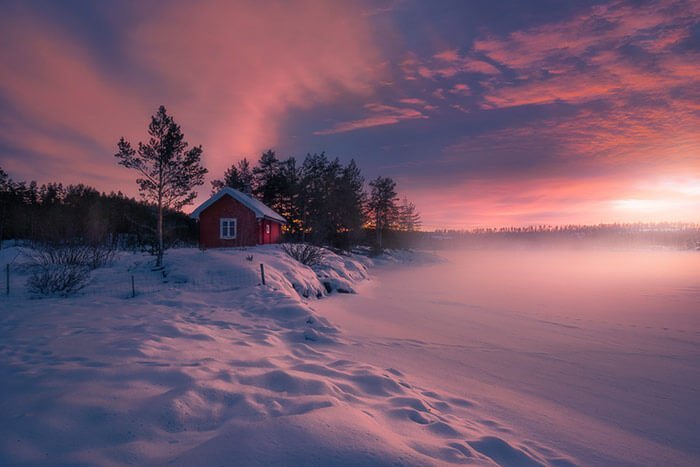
(232, 218)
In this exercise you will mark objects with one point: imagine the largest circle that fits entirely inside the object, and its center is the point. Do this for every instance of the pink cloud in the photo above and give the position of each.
(409, 66)
(542, 46)
(449, 55)
(380, 115)
(479, 66)
(413, 101)
(461, 89)
(557, 48)
(446, 64)
(613, 77)
(229, 73)
(248, 64)
(422, 103)
(57, 83)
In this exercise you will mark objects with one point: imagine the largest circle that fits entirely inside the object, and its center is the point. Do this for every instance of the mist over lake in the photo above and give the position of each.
(595, 351)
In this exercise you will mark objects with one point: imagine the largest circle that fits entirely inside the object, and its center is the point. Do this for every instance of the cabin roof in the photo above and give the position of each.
(258, 207)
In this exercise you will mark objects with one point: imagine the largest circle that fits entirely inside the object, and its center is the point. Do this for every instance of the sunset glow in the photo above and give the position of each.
(350, 232)
(486, 113)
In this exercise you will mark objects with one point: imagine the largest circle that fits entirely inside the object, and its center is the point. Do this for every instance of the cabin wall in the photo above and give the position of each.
(227, 207)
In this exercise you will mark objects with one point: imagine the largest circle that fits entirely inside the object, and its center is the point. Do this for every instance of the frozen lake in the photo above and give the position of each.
(594, 352)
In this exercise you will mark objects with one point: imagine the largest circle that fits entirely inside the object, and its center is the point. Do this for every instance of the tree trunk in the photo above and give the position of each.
(379, 232)
(303, 222)
(159, 257)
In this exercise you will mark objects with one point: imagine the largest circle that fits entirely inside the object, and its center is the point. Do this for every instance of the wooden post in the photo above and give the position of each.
(262, 273)
(133, 288)
(7, 279)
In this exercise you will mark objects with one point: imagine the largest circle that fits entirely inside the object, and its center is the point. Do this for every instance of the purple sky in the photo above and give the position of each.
(485, 112)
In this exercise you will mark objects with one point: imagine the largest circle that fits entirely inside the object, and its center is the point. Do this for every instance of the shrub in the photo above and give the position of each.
(306, 254)
(58, 279)
(74, 254)
(100, 255)
(64, 269)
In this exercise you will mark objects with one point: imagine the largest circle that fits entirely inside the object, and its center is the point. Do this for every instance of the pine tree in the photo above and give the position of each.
(168, 170)
(238, 176)
(266, 178)
(318, 196)
(351, 200)
(312, 194)
(330, 220)
(409, 218)
(286, 201)
(245, 174)
(6, 201)
(382, 205)
(322, 200)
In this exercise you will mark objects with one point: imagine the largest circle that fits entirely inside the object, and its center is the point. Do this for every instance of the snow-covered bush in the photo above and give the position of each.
(88, 256)
(57, 279)
(64, 269)
(100, 255)
(306, 254)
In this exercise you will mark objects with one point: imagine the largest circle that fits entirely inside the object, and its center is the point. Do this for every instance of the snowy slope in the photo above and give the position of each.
(207, 367)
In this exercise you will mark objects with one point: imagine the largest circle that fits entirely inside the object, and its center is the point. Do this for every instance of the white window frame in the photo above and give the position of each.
(228, 221)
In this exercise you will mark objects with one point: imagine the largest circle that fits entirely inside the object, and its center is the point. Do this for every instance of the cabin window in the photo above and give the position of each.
(267, 229)
(227, 229)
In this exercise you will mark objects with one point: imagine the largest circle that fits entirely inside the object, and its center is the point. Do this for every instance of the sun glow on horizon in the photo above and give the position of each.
(662, 201)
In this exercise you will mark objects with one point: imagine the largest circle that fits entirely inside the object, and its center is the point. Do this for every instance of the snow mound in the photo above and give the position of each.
(339, 273)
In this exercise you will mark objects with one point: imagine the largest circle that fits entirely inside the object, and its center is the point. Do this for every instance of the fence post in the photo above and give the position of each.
(7, 279)
(262, 273)
(133, 288)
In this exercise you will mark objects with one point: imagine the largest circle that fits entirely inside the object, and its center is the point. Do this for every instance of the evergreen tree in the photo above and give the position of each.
(330, 218)
(382, 205)
(408, 217)
(51, 194)
(286, 201)
(350, 201)
(322, 201)
(266, 179)
(316, 197)
(6, 201)
(245, 174)
(168, 170)
(238, 176)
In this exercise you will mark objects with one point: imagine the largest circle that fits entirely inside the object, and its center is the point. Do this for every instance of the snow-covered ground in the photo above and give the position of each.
(511, 358)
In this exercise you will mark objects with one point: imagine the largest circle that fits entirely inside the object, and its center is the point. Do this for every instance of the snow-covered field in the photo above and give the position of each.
(511, 358)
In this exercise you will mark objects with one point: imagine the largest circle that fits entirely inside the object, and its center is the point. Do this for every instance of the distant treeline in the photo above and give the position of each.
(667, 234)
(54, 213)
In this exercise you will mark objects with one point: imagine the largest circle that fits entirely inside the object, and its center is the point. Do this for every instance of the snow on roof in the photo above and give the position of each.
(257, 206)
